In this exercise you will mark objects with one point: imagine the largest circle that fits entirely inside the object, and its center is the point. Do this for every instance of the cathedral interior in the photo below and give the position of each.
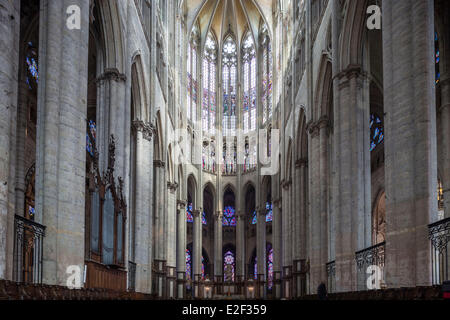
(197, 149)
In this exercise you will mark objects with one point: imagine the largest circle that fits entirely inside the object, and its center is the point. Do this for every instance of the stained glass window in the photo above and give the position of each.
(188, 264)
(376, 131)
(228, 266)
(438, 58)
(266, 96)
(32, 65)
(270, 268)
(229, 81)
(93, 130)
(204, 218)
(249, 93)
(229, 218)
(189, 216)
(192, 82)
(269, 259)
(269, 214)
(254, 217)
(209, 85)
(203, 268)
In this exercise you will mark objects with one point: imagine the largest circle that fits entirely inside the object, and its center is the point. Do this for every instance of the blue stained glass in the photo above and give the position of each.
(438, 57)
(254, 219)
(229, 218)
(32, 65)
(204, 218)
(189, 265)
(269, 215)
(93, 129)
(376, 131)
(189, 216)
(31, 211)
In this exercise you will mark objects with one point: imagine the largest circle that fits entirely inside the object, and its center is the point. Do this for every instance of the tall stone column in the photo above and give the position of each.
(171, 242)
(352, 190)
(286, 239)
(299, 241)
(410, 140)
(159, 230)
(240, 247)
(277, 240)
(9, 59)
(319, 198)
(143, 204)
(445, 125)
(61, 138)
(111, 118)
(21, 138)
(197, 252)
(315, 243)
(218, 244)
(181, 250)
(261, 250)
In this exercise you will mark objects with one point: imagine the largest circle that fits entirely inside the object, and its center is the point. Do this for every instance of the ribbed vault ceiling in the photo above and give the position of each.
(223, 16)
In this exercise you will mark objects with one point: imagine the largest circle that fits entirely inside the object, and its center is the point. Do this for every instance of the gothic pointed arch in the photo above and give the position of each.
(112, 33)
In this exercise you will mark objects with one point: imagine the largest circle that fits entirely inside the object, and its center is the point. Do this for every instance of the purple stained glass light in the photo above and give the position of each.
(229, 218)
(188, 264)
(228, 263)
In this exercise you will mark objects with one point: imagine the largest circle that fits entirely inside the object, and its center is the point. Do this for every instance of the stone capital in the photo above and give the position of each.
(172, 186)
(286, 184)
(301, 163)
(196, 213)
(158, 164)
(277, 203)
(181, 204)
(147, 129)
(111, 74)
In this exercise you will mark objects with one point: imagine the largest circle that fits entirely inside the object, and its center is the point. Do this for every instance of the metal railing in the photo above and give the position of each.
(28, 250)
(439, 234)
(372, 256)
(131, 276)
(331, 276)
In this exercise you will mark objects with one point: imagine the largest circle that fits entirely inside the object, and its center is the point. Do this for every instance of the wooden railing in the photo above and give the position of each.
(105, 277)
